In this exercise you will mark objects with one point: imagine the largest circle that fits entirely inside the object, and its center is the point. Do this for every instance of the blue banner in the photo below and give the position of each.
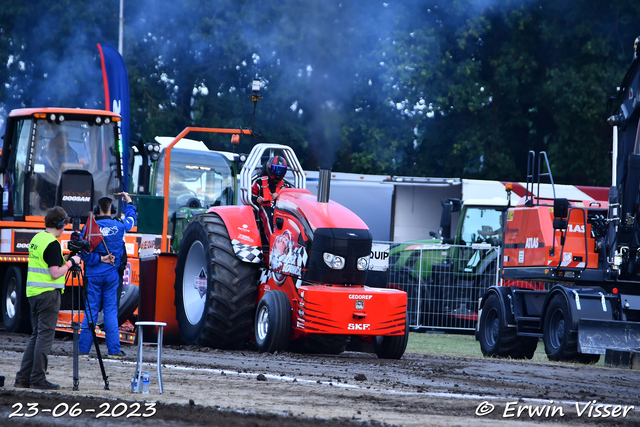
(116, 94)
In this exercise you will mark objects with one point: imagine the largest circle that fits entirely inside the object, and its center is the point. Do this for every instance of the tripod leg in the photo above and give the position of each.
(92, 328)
(76, 354)
(76, 328)
(95, 341)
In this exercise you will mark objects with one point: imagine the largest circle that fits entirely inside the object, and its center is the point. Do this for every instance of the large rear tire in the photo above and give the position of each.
(215, 292)
(273, 322)
(560, 343)
(498, 341)
(15, 305)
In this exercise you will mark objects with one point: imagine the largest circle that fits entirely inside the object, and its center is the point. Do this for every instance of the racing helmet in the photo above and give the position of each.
(277, 168)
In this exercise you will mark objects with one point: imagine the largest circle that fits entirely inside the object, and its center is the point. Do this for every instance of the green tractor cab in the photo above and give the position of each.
(445, 276)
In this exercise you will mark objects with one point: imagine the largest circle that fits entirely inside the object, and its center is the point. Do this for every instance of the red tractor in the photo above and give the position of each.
(303, 288)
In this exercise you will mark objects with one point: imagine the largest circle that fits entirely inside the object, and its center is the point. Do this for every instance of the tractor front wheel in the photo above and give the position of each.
(273, 322)
(393, 346)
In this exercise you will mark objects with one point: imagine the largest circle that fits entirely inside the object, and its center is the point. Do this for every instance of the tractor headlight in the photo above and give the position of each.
(363, 263)
(333, 261)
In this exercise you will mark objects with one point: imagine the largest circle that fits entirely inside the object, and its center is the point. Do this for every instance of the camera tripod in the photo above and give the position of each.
(75, 277)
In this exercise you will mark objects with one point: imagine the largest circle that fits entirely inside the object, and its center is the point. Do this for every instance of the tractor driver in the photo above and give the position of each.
(57, 152)
(266, 189)
(179, 193)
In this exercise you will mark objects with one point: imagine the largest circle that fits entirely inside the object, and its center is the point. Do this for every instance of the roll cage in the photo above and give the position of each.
(252, 169)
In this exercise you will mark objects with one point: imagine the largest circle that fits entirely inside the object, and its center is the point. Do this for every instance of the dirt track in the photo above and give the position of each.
(244, 388)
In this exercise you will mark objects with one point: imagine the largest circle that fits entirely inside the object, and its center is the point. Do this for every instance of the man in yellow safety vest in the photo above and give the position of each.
(45, 283)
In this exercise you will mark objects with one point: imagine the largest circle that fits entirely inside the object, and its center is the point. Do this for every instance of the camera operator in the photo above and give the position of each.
(45, 283)
(101, 270)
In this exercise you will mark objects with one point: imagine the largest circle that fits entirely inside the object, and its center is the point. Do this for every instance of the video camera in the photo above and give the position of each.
(76, 244)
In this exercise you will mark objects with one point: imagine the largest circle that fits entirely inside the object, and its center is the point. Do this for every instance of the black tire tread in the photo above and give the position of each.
(22, 320)
(280, 321)
(508, 344)
(232, 296)
(231, 290)
(391, 347)
(568, 351)
(128, 303)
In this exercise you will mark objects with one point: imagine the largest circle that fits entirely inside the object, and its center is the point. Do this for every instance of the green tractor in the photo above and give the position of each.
(444, 276)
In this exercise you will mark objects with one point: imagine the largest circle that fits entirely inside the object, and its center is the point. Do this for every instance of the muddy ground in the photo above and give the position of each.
(244, 388)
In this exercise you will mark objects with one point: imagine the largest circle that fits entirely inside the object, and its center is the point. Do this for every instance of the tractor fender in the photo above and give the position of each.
(243, 231)
(490, 262)
(505, 297)
(583, 303)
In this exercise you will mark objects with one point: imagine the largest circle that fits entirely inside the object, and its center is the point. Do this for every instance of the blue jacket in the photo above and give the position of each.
(113, 231)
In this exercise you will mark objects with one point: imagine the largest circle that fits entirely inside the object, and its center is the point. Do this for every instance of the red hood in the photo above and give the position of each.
(318, 215)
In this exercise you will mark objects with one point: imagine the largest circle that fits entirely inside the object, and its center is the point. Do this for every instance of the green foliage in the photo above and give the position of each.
(407, 87)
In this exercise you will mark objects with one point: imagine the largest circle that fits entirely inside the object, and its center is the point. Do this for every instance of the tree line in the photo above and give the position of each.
(462, 88)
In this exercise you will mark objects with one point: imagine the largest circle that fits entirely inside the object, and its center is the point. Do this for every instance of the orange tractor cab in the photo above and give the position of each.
(51, 156)
(562, 282)
(586, 254)
(303, 288)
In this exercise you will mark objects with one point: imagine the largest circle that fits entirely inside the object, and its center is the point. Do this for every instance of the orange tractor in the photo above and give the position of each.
(53, 156)
(584, 252)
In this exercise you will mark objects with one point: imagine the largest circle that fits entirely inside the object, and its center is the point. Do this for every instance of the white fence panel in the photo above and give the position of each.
(443, 282)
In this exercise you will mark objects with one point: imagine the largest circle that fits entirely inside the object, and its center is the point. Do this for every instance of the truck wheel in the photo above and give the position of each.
(560, 343)
(128, 304)
(15, 306)
(273, 322)
(498, 341)
(391, 347)
(215, 292)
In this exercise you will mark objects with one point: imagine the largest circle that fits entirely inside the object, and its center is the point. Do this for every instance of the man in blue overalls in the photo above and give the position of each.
(101, 270)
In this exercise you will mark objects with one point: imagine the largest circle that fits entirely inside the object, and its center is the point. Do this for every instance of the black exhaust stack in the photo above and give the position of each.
(324, 182)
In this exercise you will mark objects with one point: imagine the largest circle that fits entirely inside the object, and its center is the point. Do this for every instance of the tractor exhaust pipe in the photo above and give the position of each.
(324, 182)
